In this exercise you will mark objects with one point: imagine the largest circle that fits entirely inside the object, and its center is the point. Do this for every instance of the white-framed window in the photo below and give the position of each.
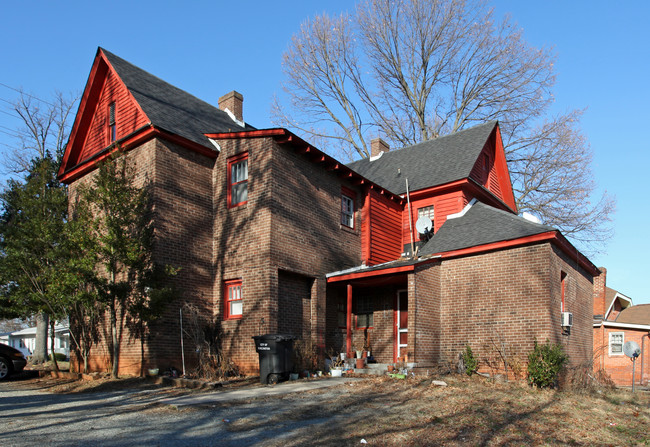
(347, 210)
(426, 211)
(616, 340)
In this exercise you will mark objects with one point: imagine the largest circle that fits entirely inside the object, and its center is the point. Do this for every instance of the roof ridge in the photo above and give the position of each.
(109, 54)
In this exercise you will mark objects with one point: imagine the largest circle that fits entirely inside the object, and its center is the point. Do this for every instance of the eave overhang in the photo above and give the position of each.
(612, 324)
(554, 237)
(315, 155)
(128, 142)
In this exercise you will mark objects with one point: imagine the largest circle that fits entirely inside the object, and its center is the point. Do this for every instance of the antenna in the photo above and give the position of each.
(632, 350)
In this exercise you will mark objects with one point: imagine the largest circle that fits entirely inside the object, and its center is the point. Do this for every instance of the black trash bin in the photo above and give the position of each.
(276, 356)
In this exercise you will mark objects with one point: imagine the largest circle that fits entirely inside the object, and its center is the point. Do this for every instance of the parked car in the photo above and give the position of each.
(11, 361)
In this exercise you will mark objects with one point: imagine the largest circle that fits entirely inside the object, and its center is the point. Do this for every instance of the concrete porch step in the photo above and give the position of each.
(379, 369)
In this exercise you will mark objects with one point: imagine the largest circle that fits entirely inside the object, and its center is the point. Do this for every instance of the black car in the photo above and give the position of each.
(11, 361)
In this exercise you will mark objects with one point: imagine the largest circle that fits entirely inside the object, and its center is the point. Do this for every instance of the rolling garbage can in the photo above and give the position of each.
(276, 356)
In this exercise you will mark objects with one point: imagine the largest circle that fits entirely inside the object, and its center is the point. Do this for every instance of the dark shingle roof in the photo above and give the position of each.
(171, 108)
(639, 314)
(427, 164)
(481, 224)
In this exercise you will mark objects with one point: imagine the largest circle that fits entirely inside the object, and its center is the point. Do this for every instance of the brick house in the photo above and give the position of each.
(273, 235)
(616, 321)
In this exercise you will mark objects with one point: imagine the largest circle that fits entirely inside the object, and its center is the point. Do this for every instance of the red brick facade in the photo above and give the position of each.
(285, 240)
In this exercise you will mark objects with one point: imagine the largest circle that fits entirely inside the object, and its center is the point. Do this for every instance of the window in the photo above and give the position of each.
(341, 313)
(616, 340)
(426, 211)
(238, 180)
(347, 208)
(112, 131)
(233, 302)
(563, 290)
(364, 312)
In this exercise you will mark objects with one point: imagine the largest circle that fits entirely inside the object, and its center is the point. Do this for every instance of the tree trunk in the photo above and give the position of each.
(116, 344)
(53, 340)
(40, 349)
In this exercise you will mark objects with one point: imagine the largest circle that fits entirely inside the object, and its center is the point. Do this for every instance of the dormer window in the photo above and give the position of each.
(112, 130)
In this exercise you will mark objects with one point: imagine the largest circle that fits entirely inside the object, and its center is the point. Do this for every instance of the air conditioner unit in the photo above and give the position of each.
(567, 319)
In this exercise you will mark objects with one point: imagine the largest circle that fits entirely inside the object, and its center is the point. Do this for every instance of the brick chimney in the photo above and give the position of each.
(600, 282)
(233, 101)
(377, 146)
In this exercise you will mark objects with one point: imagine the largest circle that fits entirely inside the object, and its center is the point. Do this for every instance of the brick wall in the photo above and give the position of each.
(425, 335)
(182, 231)
(280, 244)
(619, 366)
(504, 300)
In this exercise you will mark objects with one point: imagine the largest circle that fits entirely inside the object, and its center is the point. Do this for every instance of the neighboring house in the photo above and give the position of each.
(616, 321)
(25, 340)
(273, 235)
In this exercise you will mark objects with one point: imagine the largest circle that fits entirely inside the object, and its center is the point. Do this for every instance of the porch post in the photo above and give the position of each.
(348, 322)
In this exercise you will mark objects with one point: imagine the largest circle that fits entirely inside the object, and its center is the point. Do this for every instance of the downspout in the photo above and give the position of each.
(643, 353)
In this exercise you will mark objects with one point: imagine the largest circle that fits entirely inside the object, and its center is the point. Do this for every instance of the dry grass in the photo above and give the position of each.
(469, 411)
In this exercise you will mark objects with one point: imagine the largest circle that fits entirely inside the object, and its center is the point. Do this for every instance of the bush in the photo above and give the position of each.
(544, 364)
(470, 362)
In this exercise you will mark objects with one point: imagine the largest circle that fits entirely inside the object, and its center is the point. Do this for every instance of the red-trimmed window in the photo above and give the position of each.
(563, 290)
(364, 312)
(233, 302)
(112, 129)
(238, 180)
(347, 207)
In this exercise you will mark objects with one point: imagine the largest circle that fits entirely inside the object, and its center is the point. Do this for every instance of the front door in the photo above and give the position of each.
(401, 325)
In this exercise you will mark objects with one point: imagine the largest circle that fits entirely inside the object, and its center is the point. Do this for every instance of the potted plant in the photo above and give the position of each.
(336, 365)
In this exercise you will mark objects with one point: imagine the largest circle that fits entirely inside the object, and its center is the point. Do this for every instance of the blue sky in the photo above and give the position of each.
(209, 48)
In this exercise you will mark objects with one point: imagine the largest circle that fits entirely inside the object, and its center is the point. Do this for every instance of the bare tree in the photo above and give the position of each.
(413, 70)
(45, 128)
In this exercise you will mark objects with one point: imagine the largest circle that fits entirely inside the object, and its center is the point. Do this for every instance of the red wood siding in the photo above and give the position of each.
(494, 175)
(443, 205)
(486, 172)
(128, 116)
(384, 235)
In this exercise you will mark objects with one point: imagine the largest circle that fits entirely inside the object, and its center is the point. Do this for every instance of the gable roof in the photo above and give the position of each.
(639, 314)
(169, 107)
(480, 224)
(611, 296)
(430, 163)
(161, 109)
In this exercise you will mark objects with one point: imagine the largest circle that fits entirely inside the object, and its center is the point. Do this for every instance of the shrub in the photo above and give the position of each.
(470, 362)
(544, 364)
(59, 357)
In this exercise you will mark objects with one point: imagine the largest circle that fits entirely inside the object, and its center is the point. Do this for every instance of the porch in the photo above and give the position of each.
(369, 311)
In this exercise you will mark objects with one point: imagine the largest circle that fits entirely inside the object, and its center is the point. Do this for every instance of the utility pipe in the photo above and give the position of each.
(408, 201)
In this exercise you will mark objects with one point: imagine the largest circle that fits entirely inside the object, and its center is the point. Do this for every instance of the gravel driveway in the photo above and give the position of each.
(33, 417)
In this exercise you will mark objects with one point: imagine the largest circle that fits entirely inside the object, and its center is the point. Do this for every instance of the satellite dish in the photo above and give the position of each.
(631, 349)
(424, 225)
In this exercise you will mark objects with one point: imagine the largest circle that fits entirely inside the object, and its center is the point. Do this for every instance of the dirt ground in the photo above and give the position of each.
(390, 412)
